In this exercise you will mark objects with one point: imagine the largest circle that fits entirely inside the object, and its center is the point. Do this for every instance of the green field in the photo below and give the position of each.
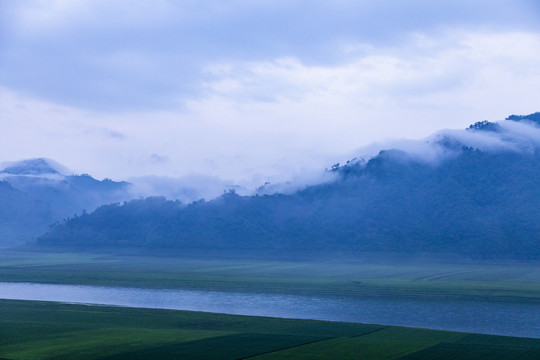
(40, 330)
(354, 277)
(46, 330)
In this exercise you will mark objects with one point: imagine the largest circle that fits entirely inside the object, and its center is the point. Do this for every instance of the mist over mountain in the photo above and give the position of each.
(37, 192)
(186, 189)
(36, 167)
(472, 192)
(518, 133)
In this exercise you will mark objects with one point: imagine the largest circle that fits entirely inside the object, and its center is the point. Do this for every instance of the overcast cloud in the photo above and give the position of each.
(253, 91)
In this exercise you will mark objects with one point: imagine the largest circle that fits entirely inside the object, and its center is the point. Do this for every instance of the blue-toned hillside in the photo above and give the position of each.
(535, 117)
(474, 203)
(36, 192)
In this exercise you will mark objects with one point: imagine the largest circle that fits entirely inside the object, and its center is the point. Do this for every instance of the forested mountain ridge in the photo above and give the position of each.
(479, 203)
(36, 192)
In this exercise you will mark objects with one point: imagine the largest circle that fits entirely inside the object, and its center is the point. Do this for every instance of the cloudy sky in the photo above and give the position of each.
(253, 91)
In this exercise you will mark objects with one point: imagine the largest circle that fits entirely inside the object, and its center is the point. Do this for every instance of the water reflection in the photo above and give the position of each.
(522, 319)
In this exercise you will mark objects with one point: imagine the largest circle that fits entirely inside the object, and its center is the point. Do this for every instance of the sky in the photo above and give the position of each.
(253, 91)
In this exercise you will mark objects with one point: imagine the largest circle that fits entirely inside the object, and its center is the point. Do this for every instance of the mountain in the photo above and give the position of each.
(37, 192)
(39, 166)
(21, 216)
(475, 201)
(532, 118)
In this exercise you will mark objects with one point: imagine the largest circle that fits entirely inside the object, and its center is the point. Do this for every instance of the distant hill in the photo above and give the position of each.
(21, 216)
(477, 201)
(37, 192)
(533, 118)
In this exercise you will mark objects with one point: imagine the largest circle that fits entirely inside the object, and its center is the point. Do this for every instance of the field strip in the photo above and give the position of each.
(372, 331)
(287, 348)
(110, 339)
(311, 343)
(443, 275)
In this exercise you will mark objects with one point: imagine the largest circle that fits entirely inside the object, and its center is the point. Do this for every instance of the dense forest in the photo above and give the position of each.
(474, 203)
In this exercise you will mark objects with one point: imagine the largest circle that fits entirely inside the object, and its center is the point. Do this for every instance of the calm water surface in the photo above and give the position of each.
(501, 318)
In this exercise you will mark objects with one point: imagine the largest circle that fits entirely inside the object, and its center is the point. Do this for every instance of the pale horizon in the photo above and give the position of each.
(253, 92)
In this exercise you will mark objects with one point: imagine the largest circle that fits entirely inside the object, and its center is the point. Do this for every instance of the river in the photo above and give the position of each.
(499, 318)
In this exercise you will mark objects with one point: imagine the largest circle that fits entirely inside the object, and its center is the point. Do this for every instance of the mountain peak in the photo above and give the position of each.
(37, 166)
(484, 126)
(534, 117)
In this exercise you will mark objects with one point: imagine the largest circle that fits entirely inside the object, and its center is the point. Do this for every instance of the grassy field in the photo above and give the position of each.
(358, 277)
(42, 330)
